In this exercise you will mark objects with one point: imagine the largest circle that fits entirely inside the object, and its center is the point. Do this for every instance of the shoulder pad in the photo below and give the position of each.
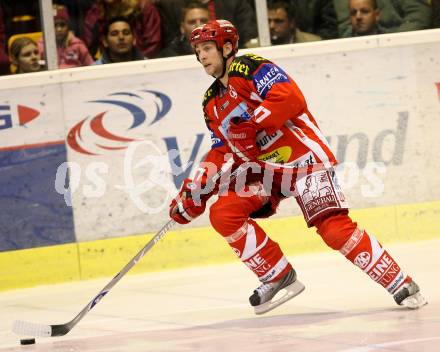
(244, 66)
(211, 92)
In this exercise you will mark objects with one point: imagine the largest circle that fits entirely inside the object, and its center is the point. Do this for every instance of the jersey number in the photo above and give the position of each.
(261, 113)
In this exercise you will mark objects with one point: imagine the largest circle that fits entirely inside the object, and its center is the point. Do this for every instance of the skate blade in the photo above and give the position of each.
(288, 292)
(415, 301)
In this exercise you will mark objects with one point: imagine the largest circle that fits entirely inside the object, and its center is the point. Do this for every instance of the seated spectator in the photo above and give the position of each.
(119, 43)
(364, 16)
(71, 51)
(25, 55)
(436, 13)
(282, 25)
(77, 10)
(194, 14)
(239, 12)
(143, 16)
(315, 16)
(395, 16)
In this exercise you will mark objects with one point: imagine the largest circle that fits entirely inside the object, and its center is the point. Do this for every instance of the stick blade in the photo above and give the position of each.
(31, 329)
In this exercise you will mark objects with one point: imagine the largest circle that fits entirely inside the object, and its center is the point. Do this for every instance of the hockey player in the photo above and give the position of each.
(256, 112)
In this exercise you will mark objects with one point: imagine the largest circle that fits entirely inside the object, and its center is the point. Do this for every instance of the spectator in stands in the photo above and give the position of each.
(119, 42)
(25, 55)
(436, 13)
(364, 15)
(71, 51)
(239, 12)
(315, 16)
(77, 10)
(143, 16)
(4, 61)
(395, 15)
(194, 14)
(282, 25)
(16, 16)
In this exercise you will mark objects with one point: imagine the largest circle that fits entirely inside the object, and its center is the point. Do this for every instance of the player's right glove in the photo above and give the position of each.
(183, 208)
(242, 135)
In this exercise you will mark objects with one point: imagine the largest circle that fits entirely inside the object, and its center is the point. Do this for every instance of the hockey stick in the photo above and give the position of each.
(41, 330)
(33, 329)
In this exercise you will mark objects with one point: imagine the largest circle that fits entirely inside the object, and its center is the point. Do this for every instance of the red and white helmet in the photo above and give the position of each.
(219, 31)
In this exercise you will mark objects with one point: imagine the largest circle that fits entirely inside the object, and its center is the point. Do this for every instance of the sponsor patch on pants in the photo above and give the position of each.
(319, 192)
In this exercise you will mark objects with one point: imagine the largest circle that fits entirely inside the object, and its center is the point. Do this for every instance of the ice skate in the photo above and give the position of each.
(263, 299)
(409, 296)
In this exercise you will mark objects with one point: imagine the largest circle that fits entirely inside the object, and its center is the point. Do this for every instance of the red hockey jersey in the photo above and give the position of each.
(260, 90)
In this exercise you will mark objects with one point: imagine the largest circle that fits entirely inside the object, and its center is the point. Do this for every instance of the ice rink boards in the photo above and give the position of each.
(206, 309)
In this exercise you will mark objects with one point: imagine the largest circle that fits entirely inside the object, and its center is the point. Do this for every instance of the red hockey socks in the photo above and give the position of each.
(230, 217)
(363, 250)
(366, 252)
(260, 254)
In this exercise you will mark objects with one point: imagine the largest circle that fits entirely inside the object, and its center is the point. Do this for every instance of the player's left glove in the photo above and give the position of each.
(184, 208)
(242, 135)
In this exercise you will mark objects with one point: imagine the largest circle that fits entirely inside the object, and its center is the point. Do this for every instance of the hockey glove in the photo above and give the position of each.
(183, 208)
(242, 135)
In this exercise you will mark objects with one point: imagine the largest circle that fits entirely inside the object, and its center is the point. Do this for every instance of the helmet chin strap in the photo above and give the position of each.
(224, 63)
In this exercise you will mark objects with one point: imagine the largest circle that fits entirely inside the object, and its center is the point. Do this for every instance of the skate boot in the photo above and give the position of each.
(409, 296)
(263, 299)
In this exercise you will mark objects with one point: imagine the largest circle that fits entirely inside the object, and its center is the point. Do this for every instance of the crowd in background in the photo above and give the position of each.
(93, 32)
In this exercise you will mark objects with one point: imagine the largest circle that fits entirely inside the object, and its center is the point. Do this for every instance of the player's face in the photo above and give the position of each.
(119, 39)
(194, 18)
(28, 59)
(281, 28)
(363, 16)
(210, 58)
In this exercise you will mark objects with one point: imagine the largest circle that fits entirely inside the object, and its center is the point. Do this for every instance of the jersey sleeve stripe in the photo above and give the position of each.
(306, 119)
(311, 144)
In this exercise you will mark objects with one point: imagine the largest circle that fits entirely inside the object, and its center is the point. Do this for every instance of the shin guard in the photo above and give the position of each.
(364, 251)
(260, 254)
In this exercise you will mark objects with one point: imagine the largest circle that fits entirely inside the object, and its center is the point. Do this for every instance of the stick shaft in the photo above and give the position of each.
(157, 237)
